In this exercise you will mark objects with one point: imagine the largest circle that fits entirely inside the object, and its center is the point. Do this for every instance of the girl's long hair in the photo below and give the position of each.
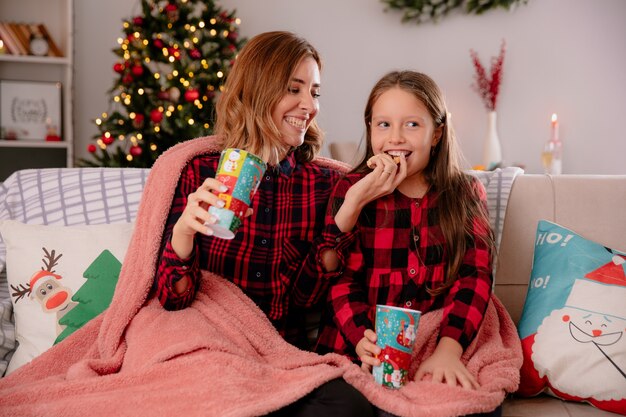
(259, 79)
(458, 198)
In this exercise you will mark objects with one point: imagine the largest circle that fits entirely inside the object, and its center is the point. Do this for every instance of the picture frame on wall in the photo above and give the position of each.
(30, 110)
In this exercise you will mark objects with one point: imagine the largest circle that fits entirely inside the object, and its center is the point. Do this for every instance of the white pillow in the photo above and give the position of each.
(46, 268)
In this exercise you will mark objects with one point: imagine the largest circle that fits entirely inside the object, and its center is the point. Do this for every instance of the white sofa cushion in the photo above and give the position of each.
(64, 197)
(59, 278)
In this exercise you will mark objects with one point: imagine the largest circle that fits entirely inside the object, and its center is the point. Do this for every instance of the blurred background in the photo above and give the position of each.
(562, 56)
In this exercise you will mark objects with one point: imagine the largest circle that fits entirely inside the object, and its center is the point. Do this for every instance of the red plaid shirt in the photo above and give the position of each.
(397, 255)
(274, 258)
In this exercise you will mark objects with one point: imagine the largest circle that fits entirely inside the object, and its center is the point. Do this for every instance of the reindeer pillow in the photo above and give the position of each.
(59, 278)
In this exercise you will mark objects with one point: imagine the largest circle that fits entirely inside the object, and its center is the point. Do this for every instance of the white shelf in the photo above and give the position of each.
(58, 16)
(32, 144)
(52, 60)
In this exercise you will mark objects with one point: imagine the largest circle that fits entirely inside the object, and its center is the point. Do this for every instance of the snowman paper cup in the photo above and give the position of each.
(396, 329)
(241, 172)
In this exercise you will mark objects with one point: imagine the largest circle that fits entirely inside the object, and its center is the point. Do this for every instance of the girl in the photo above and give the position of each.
(268, 107)
(424, 240)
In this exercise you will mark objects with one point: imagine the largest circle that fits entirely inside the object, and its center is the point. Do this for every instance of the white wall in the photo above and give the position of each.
(563, 56)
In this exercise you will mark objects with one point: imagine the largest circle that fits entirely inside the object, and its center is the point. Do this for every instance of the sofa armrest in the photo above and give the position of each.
(591, 205)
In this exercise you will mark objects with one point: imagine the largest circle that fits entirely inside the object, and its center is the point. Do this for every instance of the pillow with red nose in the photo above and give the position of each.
(574, 321)
(59, 278)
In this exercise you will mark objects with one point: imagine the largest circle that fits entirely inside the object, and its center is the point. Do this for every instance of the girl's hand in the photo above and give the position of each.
(445, 366)
(367, 350)
(385, 177)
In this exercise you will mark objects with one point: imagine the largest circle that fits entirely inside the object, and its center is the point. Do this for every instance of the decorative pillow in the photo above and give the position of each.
(7, 325)
(574, 319)
(59, 278)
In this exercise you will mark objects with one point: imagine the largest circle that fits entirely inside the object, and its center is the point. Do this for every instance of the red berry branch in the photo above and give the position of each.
(487, 87)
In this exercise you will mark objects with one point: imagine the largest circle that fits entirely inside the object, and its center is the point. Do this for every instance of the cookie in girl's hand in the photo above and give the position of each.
(370, 163)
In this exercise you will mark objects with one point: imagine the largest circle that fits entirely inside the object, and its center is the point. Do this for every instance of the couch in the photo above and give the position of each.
(592, 205)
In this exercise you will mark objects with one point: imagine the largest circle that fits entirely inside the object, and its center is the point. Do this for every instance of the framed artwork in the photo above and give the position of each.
(30, 110)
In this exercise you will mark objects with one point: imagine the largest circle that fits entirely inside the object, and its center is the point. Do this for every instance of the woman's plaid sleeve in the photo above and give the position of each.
(312, 283)
(171, 268)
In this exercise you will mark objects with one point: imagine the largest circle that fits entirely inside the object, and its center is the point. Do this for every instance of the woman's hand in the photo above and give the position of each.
(368, 351)
(196, 218)
(385, 177)
(445, 366)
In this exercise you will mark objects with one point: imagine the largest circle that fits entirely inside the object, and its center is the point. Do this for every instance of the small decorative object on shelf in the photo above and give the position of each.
(52, 134)
(553, 150)
(488, 87)
(38, 44)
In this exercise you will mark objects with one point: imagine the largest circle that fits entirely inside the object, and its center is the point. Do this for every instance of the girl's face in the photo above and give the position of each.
(298, 107)
(401, 124)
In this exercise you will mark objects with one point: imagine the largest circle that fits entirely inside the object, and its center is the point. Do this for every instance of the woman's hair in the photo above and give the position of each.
(259, 79)
(458, 197)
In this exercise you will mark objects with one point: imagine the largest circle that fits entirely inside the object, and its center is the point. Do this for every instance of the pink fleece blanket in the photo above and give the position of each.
(221, 356)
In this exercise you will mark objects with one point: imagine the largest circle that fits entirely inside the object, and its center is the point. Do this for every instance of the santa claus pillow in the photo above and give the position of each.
(574, 319)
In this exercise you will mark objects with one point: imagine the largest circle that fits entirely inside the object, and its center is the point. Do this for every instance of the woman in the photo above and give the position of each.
(268, 107)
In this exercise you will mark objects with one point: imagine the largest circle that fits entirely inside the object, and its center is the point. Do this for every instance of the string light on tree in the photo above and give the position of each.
(172, 59)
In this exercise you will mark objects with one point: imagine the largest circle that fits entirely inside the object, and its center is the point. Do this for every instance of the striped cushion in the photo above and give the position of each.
(498, 185)
(62, 196)
(71, 196)
(7, 325)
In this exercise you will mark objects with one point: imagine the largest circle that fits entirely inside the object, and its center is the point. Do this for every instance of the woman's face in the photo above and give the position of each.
(401, 124)
(298, 107)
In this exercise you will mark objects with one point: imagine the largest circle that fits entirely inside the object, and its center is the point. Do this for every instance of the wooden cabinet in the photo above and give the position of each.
(57, 16)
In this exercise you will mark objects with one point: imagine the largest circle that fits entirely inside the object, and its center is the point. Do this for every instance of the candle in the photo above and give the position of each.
(555, 128)
(2, 50)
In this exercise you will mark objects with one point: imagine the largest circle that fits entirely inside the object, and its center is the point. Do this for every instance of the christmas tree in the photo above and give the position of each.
(94, 296)
(174, 59)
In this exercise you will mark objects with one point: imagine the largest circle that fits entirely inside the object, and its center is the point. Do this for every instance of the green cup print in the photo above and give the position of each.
(241, 172)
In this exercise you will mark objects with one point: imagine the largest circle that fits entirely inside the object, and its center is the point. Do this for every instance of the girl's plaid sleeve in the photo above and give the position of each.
(348, 300)
(348, 296)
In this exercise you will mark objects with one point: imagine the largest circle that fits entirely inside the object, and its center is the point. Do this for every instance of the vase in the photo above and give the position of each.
(492, 153)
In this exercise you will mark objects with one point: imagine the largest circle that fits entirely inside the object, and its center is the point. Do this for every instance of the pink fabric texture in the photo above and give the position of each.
(494, 357)
(221, 356)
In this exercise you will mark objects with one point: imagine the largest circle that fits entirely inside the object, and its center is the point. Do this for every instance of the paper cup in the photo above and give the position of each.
(241, 172)
(396, 329)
